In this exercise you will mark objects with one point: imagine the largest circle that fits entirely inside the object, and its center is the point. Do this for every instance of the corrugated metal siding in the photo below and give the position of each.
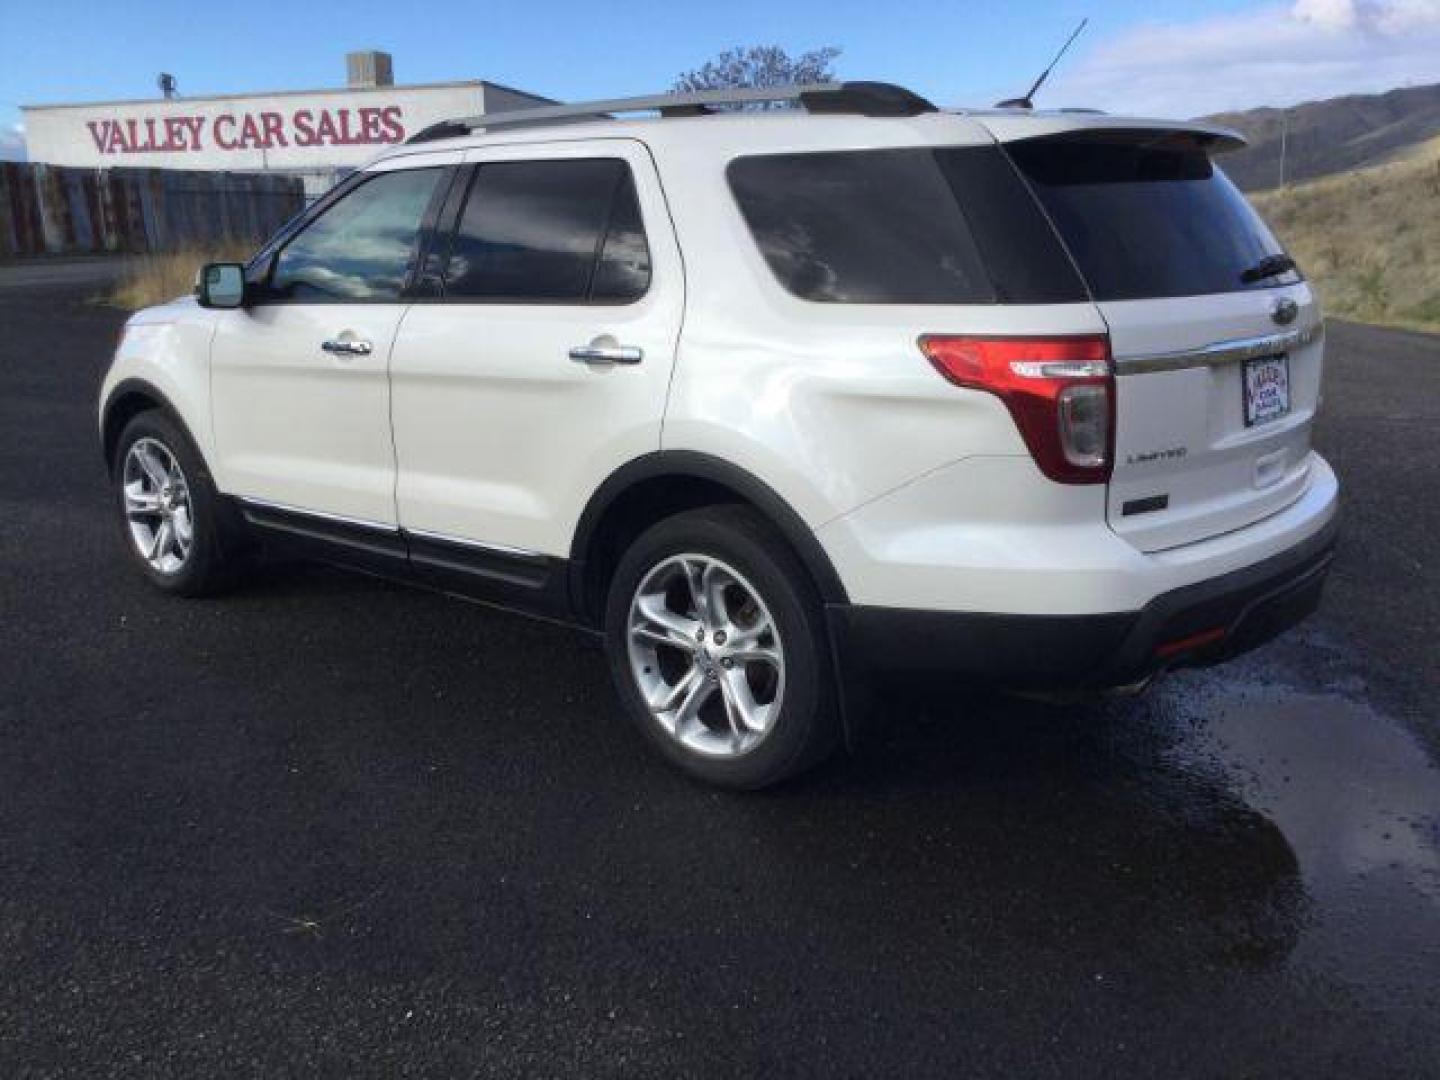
(50, 209)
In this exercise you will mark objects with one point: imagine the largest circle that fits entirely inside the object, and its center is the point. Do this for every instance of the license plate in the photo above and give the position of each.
(1267, 389)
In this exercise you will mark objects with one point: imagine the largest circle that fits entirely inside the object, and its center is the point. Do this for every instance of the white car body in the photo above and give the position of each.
(469, 426)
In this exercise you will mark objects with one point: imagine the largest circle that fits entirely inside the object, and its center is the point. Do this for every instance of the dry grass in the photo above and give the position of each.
(156, 279)
(1369, 240)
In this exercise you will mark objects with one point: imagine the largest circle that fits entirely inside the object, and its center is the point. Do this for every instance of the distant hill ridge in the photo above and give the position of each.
(1331, 136)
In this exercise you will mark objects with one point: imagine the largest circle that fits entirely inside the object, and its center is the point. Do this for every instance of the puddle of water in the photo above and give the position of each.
(1358, 800)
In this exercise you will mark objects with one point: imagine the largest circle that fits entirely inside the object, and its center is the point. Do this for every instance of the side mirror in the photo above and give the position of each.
(220, 285)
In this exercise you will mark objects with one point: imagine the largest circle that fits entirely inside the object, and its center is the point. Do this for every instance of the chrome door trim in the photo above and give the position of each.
(461, 541)
(1220, 352)
(320, 515)
(380, 526)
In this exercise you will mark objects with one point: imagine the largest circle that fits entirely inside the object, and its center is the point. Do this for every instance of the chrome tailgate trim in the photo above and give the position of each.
(1220, 352)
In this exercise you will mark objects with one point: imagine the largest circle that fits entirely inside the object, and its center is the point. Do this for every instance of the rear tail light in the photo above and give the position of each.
(1060, 391)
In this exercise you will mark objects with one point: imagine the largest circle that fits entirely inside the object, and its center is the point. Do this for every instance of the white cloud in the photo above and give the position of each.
(1273, 55)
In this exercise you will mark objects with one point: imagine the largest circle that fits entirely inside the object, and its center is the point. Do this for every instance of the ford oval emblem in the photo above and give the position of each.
(1284, 310)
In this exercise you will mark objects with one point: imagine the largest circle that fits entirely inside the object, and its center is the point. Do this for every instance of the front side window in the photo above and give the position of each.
(559, 232)
(362, 247)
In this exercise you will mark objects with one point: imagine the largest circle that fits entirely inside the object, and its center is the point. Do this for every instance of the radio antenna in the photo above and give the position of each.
(1028, 101)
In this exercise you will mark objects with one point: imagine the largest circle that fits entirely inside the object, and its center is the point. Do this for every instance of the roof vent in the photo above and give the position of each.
(369, 69)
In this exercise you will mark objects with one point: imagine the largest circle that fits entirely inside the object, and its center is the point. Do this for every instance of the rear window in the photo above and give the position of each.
(912, 226)
(1147, 218)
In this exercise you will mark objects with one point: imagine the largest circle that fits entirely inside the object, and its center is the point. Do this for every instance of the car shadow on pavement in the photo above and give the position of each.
(459, 762)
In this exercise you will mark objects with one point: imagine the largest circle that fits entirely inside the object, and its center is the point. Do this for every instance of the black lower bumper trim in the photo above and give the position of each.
(1201, 624)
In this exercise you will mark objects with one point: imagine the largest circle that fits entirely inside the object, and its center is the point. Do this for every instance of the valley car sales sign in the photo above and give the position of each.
(273, 131)
(269, 130)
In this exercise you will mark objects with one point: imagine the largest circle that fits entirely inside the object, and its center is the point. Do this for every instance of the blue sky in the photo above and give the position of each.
(1169, 57)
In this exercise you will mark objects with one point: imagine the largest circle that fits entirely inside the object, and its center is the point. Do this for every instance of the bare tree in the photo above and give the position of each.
(759, 66)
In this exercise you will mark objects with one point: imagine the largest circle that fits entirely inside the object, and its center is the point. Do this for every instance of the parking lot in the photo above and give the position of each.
(329, 826)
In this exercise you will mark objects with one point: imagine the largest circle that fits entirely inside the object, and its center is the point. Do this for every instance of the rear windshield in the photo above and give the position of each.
(912, 226)
(1147, 218)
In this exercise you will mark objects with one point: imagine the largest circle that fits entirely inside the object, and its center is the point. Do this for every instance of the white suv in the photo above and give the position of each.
(773, 400)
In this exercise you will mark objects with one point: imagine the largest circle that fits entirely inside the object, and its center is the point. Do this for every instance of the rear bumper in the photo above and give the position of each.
(1196, 625)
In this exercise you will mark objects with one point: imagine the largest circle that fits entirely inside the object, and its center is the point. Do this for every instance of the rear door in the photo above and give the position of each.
(543, 361)
(1217, 361)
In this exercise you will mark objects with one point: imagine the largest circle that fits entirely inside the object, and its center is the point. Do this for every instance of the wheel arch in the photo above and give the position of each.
(127, 400)
(667, 482)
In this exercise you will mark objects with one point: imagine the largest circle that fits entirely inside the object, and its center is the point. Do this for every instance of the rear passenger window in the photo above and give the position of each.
(948, 225)
(556, 232)
(862, 228)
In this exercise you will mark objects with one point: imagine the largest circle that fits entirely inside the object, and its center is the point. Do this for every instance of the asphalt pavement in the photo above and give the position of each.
(327, 826)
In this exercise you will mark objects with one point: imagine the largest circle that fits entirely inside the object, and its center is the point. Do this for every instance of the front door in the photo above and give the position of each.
(545, 363)
(299, 388)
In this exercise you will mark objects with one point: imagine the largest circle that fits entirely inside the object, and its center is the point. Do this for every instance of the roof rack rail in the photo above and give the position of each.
(851, 98)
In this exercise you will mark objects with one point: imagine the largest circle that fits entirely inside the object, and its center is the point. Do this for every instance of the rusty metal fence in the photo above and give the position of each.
(51, 209)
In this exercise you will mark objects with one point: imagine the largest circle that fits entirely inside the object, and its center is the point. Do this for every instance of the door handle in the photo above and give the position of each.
(346, 347)
(606, 351)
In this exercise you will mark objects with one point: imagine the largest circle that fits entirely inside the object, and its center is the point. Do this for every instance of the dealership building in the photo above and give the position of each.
(316, 134)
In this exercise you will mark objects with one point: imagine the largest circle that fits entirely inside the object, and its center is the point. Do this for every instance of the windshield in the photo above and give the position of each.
(1149, 216)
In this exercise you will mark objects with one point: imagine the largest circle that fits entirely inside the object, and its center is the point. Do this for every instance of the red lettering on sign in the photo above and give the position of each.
(302, 122)
(196, 125)
(395, 130)
(369, 125)
(262, 130)
(274, 124)
(325, 129)
(221, 141)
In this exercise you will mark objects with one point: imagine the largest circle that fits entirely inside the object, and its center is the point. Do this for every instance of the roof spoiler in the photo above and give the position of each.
(1012, 127)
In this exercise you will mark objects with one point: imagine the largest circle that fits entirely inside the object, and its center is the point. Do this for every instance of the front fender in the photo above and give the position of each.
(166, 360)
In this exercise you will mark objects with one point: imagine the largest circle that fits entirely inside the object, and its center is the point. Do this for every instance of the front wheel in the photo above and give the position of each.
(174, 523)
(717, 645)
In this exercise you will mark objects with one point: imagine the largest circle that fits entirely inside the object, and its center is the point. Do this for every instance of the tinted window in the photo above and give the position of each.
(1150, 218)
(624, 270)
(550, 232)
(922, 226)
(362, 247)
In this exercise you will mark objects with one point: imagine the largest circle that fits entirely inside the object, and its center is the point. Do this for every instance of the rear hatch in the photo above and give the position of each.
(1216, 342)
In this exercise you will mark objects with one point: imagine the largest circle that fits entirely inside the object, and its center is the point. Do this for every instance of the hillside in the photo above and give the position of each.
(1369, 239)
(1332, 136)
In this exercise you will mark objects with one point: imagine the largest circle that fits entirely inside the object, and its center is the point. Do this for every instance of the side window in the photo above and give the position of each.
(558, 232)
(362, 247)
(861, 227)
(623, 273)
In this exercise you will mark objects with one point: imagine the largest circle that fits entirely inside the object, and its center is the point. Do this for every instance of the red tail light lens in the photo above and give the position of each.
(1060, 390)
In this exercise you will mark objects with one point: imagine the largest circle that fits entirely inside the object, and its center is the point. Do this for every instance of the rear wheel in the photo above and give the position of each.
(175, 526)
(717, 646)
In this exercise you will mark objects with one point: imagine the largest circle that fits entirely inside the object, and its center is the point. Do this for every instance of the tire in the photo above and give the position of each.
(769, 710)
(156, 454)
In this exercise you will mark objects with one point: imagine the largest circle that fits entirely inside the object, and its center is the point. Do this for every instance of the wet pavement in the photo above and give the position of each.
(330, 826)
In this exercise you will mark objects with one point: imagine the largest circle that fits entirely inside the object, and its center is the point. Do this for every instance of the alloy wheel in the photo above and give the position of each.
(158, 511)
(706, 655)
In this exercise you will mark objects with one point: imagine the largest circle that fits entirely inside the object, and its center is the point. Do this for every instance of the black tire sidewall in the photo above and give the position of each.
(804, 729)
(205, 568)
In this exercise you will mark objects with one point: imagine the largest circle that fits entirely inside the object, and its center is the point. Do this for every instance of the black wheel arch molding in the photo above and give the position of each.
(118, 410)
(713, 473)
